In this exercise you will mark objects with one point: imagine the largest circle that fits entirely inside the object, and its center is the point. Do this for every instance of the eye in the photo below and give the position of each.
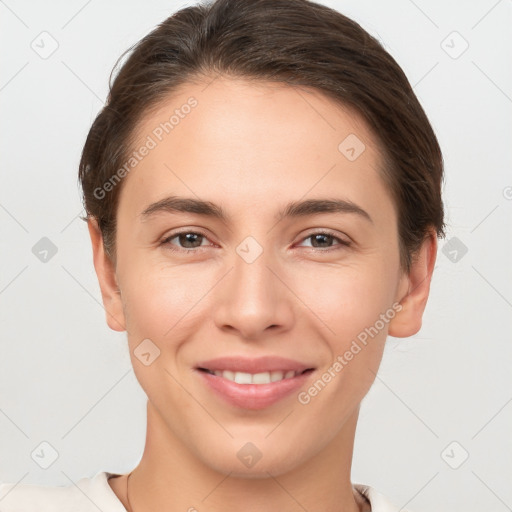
(324, 239)
(188, 240)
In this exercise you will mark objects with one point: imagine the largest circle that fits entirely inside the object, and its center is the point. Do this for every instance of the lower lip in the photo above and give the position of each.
(254, 396)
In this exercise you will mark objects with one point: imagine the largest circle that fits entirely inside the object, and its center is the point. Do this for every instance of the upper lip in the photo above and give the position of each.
(253, 365)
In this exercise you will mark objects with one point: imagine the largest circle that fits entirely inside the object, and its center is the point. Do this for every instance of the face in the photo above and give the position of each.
(257, 310)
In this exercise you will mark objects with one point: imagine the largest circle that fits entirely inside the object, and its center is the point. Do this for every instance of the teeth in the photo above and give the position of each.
(275, 376)
(243, 378)
(255, 378)
(261, 378)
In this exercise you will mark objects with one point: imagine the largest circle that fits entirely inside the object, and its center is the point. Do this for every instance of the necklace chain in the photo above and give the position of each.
(127, 497)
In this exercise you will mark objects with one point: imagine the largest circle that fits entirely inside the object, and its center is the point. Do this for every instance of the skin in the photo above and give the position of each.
(252, 148)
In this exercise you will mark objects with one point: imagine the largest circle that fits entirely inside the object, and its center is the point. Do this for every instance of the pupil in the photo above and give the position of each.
(320, 237)
(189, 238)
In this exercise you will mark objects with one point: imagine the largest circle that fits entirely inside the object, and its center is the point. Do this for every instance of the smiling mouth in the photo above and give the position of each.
(255, 378)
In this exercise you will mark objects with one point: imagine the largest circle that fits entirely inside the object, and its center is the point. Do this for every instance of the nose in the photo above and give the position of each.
(253, 300)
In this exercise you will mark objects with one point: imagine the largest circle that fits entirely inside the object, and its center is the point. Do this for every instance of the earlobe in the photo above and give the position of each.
(417, 287)
(107, 279)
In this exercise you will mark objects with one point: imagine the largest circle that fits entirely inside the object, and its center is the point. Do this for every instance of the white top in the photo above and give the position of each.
(93, 494)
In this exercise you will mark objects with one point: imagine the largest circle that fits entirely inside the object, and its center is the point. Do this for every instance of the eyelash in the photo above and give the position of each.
(167, 240)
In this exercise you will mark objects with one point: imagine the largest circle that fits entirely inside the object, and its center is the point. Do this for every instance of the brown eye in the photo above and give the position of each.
(185, 240)
(325, 240)
(321, 240)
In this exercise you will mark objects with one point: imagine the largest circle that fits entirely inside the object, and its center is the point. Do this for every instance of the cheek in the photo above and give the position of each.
(169, 306)
(346, 300)
(161, 305)
(352, 307)
(157, 298)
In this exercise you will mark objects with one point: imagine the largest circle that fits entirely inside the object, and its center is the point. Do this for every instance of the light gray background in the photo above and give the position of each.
(66, 379)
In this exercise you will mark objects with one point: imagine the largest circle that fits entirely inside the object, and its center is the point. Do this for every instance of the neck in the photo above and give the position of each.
(170, 477)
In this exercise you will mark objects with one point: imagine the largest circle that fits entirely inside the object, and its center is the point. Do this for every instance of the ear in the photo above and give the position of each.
(106, 274)
(414, 290)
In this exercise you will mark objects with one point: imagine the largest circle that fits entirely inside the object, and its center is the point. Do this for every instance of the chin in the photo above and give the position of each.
(250, 462)
(260, 470)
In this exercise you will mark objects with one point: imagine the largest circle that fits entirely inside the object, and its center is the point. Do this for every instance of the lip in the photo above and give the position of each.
(253, 365)
(253, 396)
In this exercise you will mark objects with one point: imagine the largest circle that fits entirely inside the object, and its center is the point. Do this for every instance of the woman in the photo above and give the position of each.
(263, 198)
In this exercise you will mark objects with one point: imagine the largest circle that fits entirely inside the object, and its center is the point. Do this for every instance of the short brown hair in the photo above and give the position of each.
(297, 42)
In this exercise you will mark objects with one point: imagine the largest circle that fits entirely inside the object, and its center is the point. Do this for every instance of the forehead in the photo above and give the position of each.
(256, 140)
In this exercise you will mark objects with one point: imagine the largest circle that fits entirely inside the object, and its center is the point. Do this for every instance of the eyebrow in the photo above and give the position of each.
(173, 204)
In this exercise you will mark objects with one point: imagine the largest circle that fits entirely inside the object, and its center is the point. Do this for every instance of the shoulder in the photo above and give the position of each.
(378, 502)
(86, 495)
